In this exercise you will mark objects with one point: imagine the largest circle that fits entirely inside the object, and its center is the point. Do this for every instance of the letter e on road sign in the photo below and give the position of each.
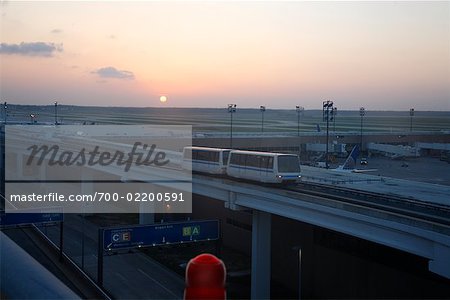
(126, 236)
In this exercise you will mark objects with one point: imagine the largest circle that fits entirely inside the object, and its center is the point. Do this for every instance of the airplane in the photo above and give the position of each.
(350, 163)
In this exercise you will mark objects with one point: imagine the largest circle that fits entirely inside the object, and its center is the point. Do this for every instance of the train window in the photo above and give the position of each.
(225, 155)
(264, 162)
(201, 155)
(207, 156)
(288, 163)
(270, 163)
(252, 161)
(258, 161)
(214, 156)
(242, 159)
(248, 159)
(194, 154)
(234, 159)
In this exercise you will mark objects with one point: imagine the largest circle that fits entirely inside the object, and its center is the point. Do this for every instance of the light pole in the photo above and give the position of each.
(299, 110)
(262, 108)
(362, 112)
(56, 112)
(327, 106)
(231, 110)
(411, 114)
(334, 119)
(299, 273)
(298, 250)
(5, 106)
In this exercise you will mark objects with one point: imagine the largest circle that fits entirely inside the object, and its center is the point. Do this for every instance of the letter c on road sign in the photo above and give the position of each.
(116, 237)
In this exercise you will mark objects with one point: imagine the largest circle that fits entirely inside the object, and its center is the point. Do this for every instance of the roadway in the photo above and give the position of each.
(128, 275)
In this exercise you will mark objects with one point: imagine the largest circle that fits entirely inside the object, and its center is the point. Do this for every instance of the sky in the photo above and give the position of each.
(380, 55)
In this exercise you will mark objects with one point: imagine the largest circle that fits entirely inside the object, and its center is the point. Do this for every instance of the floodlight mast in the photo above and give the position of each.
(262, 108)
(411, 114)
(299, 110)
(231, 110)
(56, 112)
(334, 118)
(362, 113)
(327, 106)
(5, 107)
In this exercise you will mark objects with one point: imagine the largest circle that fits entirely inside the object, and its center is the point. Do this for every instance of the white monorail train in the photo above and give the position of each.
(250, 165)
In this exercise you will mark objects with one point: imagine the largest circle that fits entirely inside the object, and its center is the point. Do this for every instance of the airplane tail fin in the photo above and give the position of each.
(350, 162)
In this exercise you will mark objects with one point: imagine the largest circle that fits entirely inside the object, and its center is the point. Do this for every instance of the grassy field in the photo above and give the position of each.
(244, 120)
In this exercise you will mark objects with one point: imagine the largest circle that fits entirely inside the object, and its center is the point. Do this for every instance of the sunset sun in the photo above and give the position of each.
(163, 99)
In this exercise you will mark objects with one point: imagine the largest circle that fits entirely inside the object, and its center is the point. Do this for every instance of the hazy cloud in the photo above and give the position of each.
(112, 36)
(31, 49)
(56, 31)
(111, 72)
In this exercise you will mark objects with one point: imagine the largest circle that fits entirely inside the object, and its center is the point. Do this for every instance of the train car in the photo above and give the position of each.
(206, 160)
(264, 166)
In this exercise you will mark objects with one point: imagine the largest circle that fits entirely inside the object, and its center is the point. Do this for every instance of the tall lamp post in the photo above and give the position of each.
(327, 107)
(334, 119)
(299, 110)
(411, 114)
(362, 113)
(5, 106)
(231, 110)
(262, 108)
(56, 112)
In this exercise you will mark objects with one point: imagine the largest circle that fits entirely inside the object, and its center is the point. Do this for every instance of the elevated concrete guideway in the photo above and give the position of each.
(387, 229)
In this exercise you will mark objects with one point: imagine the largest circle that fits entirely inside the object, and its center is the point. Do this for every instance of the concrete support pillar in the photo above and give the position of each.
(261, 237)
(146, 215)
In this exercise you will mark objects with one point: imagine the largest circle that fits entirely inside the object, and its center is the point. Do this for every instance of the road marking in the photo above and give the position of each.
(162, 286)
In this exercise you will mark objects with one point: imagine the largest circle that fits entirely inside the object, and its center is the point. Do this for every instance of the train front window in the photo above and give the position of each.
(288, 164)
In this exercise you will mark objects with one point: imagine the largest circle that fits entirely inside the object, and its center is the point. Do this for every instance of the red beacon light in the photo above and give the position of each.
(205, 278)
